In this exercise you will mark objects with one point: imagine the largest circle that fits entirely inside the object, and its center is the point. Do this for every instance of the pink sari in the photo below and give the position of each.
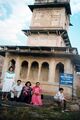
(36, 97)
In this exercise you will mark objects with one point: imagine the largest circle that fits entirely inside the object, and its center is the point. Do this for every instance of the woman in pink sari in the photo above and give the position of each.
(36, 97)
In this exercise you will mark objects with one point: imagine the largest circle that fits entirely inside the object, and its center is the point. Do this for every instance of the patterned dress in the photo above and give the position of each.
(26, 94)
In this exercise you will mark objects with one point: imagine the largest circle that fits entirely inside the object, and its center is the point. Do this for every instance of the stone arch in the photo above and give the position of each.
(24, 69)
(34, 71)
(12, 63)
(59, 69)
(44, 72)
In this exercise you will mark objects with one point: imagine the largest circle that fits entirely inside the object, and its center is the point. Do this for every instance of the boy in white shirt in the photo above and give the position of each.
(60, 99)
(16, 90)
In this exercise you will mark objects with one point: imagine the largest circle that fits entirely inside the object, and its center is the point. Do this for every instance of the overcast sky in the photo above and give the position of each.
(15, 16)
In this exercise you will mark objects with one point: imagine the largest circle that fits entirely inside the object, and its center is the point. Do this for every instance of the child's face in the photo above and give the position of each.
(61, 91)
(37, 84)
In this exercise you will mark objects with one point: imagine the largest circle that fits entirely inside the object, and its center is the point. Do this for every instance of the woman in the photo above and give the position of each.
(36, 97)
(8, 82)
(26, 93)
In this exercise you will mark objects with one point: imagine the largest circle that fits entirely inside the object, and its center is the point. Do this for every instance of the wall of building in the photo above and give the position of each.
(50, 18)
(1, 65)
(40, 69)
(78, 85)
(45, 40)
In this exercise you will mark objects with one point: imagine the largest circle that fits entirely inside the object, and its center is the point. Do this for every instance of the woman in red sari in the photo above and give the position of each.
(36, 97)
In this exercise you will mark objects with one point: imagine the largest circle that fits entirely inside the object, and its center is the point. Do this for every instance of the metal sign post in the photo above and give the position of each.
(66, 79)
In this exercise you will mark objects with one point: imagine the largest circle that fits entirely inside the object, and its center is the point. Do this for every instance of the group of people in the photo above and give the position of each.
(27, 93)
(18, 91)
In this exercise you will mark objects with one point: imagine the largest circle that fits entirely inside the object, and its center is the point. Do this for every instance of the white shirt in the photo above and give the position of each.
(17, 88)
(59, 96)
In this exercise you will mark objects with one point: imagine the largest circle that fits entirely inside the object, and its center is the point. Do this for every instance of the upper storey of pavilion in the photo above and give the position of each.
(52, 3)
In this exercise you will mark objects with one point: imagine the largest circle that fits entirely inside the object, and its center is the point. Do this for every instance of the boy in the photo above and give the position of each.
(60, 99)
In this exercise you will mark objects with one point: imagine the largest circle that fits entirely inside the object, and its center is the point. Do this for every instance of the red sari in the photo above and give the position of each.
(36, 97)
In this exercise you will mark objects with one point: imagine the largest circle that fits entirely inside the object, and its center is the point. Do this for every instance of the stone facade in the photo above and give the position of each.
(46, 40)
(50, 18)
(78, 85)
(1, 65)
(42, 69)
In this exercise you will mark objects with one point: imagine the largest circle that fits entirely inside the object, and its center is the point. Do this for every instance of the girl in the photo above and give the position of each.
(36, 97)
(8, 82)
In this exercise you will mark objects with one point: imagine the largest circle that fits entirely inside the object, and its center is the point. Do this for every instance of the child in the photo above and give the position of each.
(36, 97)
(60, 99)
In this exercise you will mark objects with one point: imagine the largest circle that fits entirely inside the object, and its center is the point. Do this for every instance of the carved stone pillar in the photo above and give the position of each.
(17, 68)
(51, 72)
(28, 73)
(5, 66)
(39, 71)
(74, 82)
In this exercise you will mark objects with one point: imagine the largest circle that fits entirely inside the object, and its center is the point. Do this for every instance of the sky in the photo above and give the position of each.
(16, 16)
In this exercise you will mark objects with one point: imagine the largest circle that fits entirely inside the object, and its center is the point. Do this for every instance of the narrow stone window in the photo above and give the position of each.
(59, 69)
(24, 70)
(12, 63)
(44, 72)
(34, 71)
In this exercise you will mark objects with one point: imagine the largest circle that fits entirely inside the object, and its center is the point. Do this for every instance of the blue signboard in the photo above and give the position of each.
(66, 79)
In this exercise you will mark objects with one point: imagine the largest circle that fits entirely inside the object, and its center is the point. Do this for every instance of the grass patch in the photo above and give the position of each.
(36, 113)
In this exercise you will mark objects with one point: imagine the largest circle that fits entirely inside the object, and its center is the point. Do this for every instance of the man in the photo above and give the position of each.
(16, 91)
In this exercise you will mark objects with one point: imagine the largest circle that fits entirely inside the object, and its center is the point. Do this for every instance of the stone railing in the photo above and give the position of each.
(46, 1)
(57, 50)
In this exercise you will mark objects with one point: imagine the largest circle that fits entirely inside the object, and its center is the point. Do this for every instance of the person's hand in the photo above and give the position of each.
(36, 93)
(12, 91)
(15, 93)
